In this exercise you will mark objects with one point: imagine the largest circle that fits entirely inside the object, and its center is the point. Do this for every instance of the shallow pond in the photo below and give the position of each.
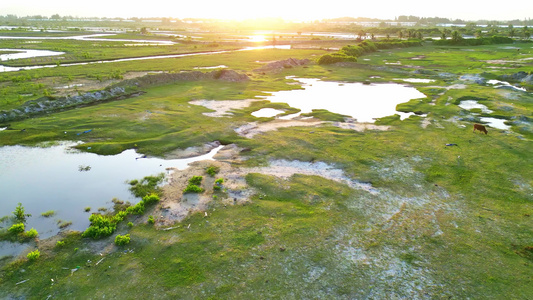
(505, 84)
(361, 101)
(471, 104)
(44, 179)
(415, 80)
(26, 53)
(495, 123)
(267, 112)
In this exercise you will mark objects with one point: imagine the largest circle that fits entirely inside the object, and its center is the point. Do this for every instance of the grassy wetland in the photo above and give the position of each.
(313, 206)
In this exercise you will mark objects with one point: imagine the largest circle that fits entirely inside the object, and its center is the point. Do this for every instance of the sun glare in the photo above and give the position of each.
(258, 38)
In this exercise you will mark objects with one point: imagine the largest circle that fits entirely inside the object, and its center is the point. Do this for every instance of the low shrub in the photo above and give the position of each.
(196, 180)
(121, 240)
(151, 220)
(212, 171)
(151, 198)
(192, 188)
(147, 185)
(33, 255)
(101, 226)
(60, 244)
(16, 228)
(32, 233)
(137, 209)
(130, 224)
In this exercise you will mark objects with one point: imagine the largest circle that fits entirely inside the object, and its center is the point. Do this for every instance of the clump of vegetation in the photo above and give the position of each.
(33, 255)
(82, 168)
(121, 240)
(87, 209)
(151, 220)
(101, 226)
(48, 214)
(130, 224)
(350, 53)
(32, 233)
(63, 224)
(20, 213)
(60, 244)
(16, 228)
(212, 170)
(151, 199)
(147, 185)
(218, 184)
(194, 185)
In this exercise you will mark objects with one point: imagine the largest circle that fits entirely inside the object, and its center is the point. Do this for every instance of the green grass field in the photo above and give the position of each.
(443, 222)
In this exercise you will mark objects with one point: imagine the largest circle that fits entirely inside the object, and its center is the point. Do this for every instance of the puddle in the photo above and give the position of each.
(12, 249)
(471, 104)
(267, 113)
(209, 68)
(69, 86)
(251, 129)
(495, 123)
(44, 179)
(26, 53)
(222, 108)
(500, 84)
(361, 101)
(415, 80)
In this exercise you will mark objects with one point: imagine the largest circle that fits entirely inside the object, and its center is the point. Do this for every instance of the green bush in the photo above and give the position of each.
(219, 181)
(101, 226)
(20, 214)
(60, 244)
(16, 228)
(137, 209)
(328, 59)
(151, 198)
(130, 224)
(212, 171)
(121, 240)
(196, 180)
(151, 220)
(217, 187)
(147, 185)
(191, 188)
(32, 233)
(33, 255)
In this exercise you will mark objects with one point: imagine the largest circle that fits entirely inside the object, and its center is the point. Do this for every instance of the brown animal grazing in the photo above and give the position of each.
(480, 128)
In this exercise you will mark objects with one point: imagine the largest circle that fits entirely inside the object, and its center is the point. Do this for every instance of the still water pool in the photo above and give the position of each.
(44, 179)
(364, 102)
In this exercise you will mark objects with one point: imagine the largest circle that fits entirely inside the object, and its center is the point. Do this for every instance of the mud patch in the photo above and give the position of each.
(222, 108)
(285, 169)
(251, 129)
(192, 151)
(360, 127)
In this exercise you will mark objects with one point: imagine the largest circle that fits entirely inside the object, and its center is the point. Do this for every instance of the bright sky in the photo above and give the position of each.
(286, 9)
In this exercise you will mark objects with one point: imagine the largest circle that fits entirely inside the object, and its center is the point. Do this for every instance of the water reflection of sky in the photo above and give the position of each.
(45, 179)
(361, 101)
